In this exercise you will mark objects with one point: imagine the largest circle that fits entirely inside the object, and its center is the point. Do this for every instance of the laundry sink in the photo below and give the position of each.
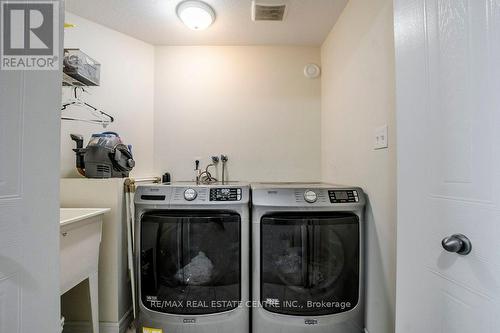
(72, 215)
(80, 238)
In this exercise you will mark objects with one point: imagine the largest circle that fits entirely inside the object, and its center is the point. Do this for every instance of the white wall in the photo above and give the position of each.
(252, 103)
(126, 92)
(358, 96)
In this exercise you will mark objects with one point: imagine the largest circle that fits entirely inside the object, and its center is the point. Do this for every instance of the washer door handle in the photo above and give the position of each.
(457, 243)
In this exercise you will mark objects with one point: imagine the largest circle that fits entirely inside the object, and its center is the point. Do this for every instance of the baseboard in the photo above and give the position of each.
(126, 320)
(104, 327)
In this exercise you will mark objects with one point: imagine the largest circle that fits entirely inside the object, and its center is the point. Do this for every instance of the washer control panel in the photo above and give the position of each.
(225, 194)
(310, 196)
(190, 194)
(343, 196)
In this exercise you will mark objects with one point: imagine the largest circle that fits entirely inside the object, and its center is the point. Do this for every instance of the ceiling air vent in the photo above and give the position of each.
(268, 11)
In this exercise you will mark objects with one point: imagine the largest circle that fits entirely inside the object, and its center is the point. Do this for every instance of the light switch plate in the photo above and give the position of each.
(381, 139)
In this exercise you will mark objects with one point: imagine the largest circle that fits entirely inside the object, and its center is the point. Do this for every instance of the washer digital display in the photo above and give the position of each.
(344, 196)
(341, 195)
(225, 194)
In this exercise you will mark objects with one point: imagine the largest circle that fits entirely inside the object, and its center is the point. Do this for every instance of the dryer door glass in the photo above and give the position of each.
(310, 263)
(190, 261)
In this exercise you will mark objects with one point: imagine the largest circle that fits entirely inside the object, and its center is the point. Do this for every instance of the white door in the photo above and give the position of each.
(448, 119)
(29, 200)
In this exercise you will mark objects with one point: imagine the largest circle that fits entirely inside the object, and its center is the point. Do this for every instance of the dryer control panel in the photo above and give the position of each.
(225, 194)
(343, 196)
(311, 196)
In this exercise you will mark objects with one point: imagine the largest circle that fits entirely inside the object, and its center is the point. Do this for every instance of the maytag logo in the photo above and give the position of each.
(272, 302)
(189, 320)
(29, 35)
(310, 322)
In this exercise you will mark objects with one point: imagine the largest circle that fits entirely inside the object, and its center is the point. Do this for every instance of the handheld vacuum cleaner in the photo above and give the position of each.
(104, 157)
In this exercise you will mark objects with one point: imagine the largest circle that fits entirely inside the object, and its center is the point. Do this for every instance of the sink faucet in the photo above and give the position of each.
(197, 171)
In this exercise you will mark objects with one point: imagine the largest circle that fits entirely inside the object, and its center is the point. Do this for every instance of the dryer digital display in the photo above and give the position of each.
(343, 196)
(225, 194)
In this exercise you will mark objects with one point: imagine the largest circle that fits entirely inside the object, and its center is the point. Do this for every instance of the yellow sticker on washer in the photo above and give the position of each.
(151, 330)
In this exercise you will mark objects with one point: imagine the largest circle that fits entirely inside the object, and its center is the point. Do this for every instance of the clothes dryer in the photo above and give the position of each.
(308, 258)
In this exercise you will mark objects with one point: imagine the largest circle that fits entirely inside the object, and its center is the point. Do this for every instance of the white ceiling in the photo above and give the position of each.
(308, 22)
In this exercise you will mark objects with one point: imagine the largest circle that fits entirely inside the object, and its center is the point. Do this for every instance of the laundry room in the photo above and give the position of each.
(266, 92)
(222, 166)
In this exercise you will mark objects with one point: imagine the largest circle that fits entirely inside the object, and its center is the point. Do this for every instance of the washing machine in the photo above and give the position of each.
(308, 260)
(192, 258)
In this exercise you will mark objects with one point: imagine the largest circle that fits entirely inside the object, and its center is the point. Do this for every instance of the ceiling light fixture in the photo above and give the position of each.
(196, 15)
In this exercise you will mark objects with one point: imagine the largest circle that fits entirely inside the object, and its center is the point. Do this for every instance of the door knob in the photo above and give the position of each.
(457, 243)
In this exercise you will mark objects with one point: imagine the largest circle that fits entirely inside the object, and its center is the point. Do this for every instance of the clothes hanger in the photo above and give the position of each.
(103, 118)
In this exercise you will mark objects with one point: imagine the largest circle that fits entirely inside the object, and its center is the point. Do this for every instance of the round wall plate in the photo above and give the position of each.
(312, 71)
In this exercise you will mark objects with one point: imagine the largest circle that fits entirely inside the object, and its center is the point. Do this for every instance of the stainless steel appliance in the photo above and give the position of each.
(192, 257)
(308, 260)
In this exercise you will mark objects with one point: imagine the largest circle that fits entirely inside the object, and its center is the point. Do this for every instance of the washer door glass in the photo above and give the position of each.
(190, 261)
(309, 263)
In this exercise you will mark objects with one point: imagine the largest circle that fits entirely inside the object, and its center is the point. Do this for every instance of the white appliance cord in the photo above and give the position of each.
(130, 245)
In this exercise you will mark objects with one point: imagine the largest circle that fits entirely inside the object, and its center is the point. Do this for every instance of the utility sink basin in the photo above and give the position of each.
(80, 238)
(71, 215)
